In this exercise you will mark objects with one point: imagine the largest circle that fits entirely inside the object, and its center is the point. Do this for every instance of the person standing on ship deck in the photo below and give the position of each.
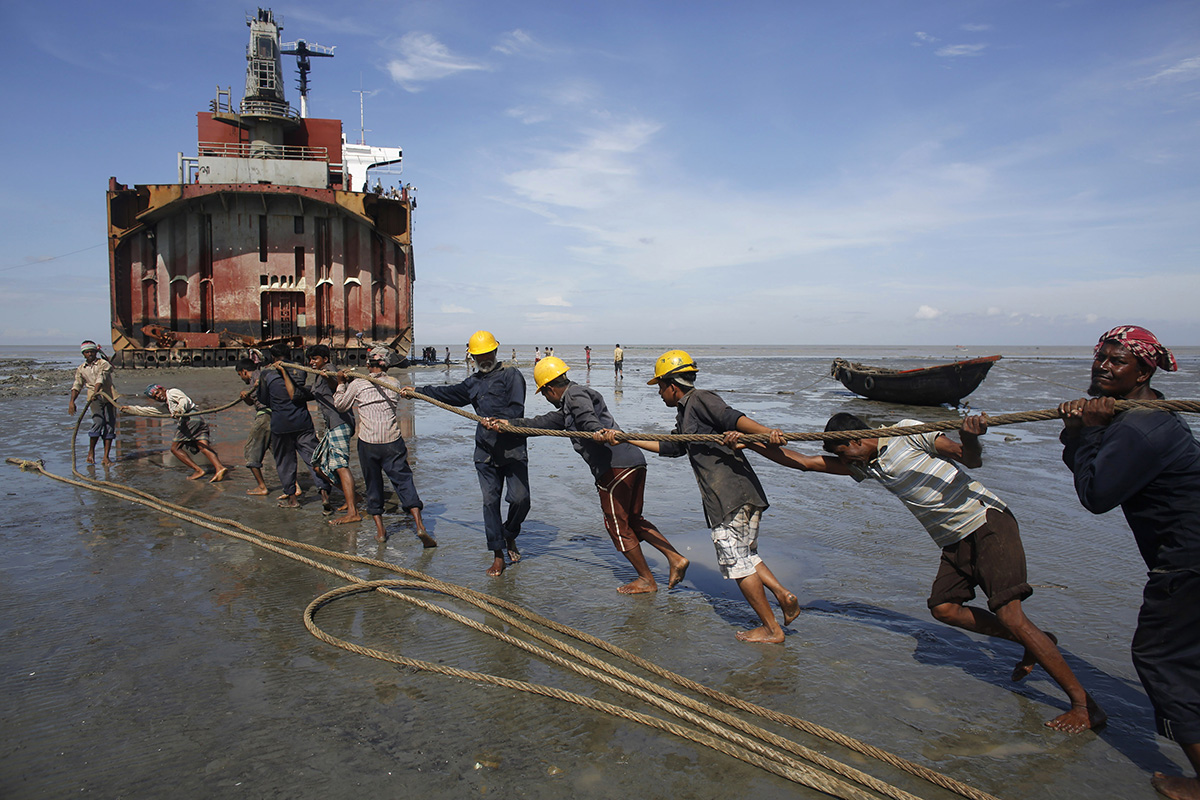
(1147, 461)
(501, 459)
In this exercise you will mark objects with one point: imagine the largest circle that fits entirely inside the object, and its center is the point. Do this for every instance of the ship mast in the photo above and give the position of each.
(302, 50)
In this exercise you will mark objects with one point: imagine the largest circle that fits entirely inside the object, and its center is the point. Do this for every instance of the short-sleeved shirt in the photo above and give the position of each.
(288, 415)
(88, 375)
(584, 409)
(322, 392)
(947, 501)
(727, 481)
(499, 393)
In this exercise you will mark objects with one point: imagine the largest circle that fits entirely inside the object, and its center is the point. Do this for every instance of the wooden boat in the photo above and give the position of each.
(926, 386)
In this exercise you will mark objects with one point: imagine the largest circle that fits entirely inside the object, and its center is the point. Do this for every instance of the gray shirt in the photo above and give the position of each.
(584, 409)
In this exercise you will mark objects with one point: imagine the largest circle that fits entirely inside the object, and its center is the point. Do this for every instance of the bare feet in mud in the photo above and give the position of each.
(290, 501)
(197, 475)
(1176, 787)
(514, 555)
(1080, 718)
(220, 476)
(639, 586)
(791, 608)
(1025, 666)
(258, 491)
(427, 541)
(678, 569)
(761, 634)
(346, 520)
(497, 567)
(106, 461)
(91, 458)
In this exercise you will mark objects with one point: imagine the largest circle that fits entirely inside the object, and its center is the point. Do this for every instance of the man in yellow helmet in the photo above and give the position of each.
(501, 459)
(620, 471)
(732, 496)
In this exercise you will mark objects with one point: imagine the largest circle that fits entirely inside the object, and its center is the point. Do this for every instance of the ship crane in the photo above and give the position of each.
(302, 50)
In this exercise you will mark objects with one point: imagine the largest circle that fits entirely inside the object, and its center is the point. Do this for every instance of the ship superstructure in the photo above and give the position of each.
(277, 230)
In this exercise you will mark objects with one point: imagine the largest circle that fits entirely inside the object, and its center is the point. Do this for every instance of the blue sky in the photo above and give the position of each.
(950, 172)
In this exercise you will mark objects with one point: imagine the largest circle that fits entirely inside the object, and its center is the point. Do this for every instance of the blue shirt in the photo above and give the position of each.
(499, 393)
(287, 415)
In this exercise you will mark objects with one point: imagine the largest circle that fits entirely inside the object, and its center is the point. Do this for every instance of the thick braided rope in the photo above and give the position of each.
(491, 605)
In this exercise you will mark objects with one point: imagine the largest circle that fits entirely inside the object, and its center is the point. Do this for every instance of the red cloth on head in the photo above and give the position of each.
(1142, 343)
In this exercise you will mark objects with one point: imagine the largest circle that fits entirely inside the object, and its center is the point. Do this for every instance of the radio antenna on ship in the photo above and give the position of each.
(302, 50)
(362, 131)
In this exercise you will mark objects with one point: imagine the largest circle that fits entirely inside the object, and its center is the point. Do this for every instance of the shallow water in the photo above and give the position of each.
(141, 652)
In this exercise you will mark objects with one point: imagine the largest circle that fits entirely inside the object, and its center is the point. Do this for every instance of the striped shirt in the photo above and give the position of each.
(374, 406)
(946, 500)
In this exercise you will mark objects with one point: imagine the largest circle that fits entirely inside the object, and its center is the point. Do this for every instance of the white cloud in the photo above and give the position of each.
(1187, 69)
(993, 311)
(519, 42)
(924, 38)
(448, 308)
(956, 50)
(556, 300)
(927, 312)
(423, 58)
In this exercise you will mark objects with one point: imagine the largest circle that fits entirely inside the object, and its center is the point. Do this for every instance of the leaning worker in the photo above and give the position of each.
(620, 471)
(501, 459)
(1148, 462)
(732, 497)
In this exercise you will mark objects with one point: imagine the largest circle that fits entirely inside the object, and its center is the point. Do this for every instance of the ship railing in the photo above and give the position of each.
(286, 152)
(268, 108)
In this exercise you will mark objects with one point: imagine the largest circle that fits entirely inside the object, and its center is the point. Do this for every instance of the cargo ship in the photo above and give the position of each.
(277, 230)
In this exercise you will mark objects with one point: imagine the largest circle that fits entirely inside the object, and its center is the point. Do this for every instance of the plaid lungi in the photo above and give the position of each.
(333, 451)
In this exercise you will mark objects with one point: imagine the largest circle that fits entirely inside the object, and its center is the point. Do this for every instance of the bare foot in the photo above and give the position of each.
(760, 634)
(346, 520)
(639, 586)
(791, 608)
(1028, 662)
(497, 567)
(381, 536)
(106, 461)
(427, 541)
(197, 475)
(220, 476)
(259, 491)
(1176, 786)
(291, 501)
(1080, 718)
(514, 555)
(678, 570)
(91, 458)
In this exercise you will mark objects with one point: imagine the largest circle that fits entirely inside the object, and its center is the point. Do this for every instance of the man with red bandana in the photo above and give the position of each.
(1148, 462)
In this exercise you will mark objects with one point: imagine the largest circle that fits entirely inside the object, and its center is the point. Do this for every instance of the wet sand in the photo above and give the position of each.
(142, 654)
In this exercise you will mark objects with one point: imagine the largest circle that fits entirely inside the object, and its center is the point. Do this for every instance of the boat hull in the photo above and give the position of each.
(928, 386)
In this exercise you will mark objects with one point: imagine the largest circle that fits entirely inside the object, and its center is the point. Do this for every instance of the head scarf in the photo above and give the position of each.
(88, 345)
(152, 389)
(1142, 343)
(381, 356)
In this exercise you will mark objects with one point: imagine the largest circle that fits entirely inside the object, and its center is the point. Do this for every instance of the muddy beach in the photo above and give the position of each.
(143, 655)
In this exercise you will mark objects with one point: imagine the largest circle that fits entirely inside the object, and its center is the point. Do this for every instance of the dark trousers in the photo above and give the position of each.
(492, 479)
(285, 447)
(391, 459)
(1166, 652)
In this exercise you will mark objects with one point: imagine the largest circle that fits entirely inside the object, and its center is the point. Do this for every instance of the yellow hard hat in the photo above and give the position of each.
(547, 370)
(671, 362)
(481, 342)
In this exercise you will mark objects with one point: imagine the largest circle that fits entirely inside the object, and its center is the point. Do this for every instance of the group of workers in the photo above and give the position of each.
(1144, 460)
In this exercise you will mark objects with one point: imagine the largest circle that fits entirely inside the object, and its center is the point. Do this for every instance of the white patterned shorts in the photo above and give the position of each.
(736, 541)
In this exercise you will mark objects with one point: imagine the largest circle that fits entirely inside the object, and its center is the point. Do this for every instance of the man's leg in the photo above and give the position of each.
(91, 454)
(371, 464)
(769, 632)
(346, 481)
(395, 466)
(283, 449)
(516, 476)
(220, 469)
(180, 452)
(490, 485)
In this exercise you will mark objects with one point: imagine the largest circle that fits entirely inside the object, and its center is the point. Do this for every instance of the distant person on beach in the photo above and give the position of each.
(537, 354)
(259, 438)
(979, 537)
(192, 434)
(292, 432)
(501, 459)
(587, 355)
(447, 356)
(95, 376)
(733, 499)
(332, 456)
(619, 471)
(618, 362)
(1147, 461)
(381, 447)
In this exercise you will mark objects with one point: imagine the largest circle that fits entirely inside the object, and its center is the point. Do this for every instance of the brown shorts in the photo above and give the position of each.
(621, 492)
(990, 557)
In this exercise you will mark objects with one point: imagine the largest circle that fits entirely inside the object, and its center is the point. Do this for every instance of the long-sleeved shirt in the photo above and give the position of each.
(727, 481)
(499, 393)
(88, 375)
(179, 403)
(288, 415)
(584, 409)
(322, 392)
(374, 406)
(1148, 462)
